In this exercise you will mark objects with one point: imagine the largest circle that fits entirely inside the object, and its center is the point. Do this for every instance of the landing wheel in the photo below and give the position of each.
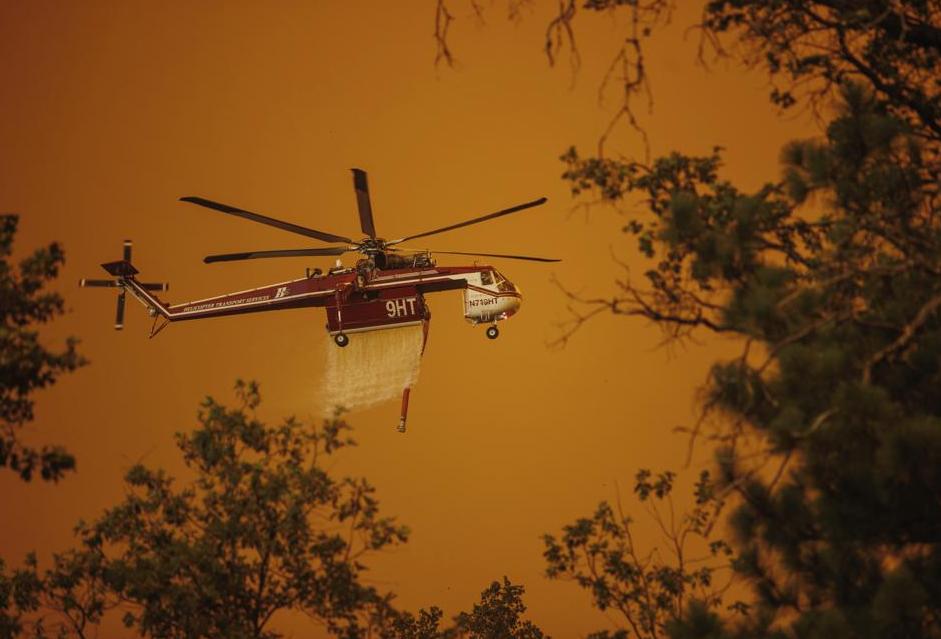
(341, 339)
(493, 332)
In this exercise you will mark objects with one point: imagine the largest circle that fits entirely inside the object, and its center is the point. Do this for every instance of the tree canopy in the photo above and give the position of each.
(830, 279)
(812, 48)
(827, 427)
(809, 49)
(262, 527)
(497, 615)
(26, 364)
(647, 588)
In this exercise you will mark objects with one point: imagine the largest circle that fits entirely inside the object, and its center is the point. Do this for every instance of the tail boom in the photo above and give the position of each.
(298, 293)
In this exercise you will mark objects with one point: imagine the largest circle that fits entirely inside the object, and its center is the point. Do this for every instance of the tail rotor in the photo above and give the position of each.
(119, 314)
(122, 271)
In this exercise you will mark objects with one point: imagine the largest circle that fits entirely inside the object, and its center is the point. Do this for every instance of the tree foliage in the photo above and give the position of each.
(811, 48)
(827, 424)
(830, 279)
(19, 597)
(497, 616)
(647, 590)
(808, 48)
(261, 528)
(26, 365)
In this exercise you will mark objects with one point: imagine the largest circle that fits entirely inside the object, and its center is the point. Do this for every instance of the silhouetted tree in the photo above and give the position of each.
(831, 280)
(497, 616)
(384, 621)
(20, 592)
(647, 587)
(262, 527)
(26, 365)
(67, 600)
(809, 48)
(828, 424)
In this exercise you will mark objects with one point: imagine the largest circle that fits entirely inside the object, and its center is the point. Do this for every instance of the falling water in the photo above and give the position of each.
(374, 367)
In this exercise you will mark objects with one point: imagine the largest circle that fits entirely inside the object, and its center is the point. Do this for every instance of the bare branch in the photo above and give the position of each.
(559, 31)
(443, 19)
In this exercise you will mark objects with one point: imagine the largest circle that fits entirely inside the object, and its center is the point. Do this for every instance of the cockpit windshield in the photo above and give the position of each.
(486, 278)
(503, 285)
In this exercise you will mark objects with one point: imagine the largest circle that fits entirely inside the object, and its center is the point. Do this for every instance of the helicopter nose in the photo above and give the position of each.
(513, 303)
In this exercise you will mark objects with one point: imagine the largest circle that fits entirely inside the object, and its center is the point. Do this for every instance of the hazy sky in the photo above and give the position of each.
(110, 111)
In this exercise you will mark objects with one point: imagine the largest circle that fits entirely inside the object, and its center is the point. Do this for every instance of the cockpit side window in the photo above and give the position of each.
(485, 278)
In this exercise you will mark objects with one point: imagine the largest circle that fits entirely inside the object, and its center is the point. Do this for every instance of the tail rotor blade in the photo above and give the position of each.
(123, 273)
(361, 186)
(119, 316)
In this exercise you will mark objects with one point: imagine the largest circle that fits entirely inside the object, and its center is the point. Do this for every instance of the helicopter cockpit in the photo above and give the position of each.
(495, 278)
(490, 299)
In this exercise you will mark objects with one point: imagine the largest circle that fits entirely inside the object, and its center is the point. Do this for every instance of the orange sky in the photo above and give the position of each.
(111, 110)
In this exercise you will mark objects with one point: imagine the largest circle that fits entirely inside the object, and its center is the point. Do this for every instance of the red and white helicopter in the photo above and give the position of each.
(385, 289)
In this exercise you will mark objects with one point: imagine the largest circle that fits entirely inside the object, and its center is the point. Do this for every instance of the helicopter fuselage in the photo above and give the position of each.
(355, 299)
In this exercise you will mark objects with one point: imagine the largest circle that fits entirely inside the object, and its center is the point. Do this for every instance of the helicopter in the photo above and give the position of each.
(385, 289)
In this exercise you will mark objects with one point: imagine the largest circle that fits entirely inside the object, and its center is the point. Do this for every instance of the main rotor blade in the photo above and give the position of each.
(361, 186)
(156, 286)
(264, 219)
(251, 255)
(476, 220)
(509, 257)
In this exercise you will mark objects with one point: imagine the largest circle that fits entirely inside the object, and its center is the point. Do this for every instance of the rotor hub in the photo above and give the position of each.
(371, 246)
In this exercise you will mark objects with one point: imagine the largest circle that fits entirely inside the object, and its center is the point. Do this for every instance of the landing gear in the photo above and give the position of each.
(492, 332)
(341, 339)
